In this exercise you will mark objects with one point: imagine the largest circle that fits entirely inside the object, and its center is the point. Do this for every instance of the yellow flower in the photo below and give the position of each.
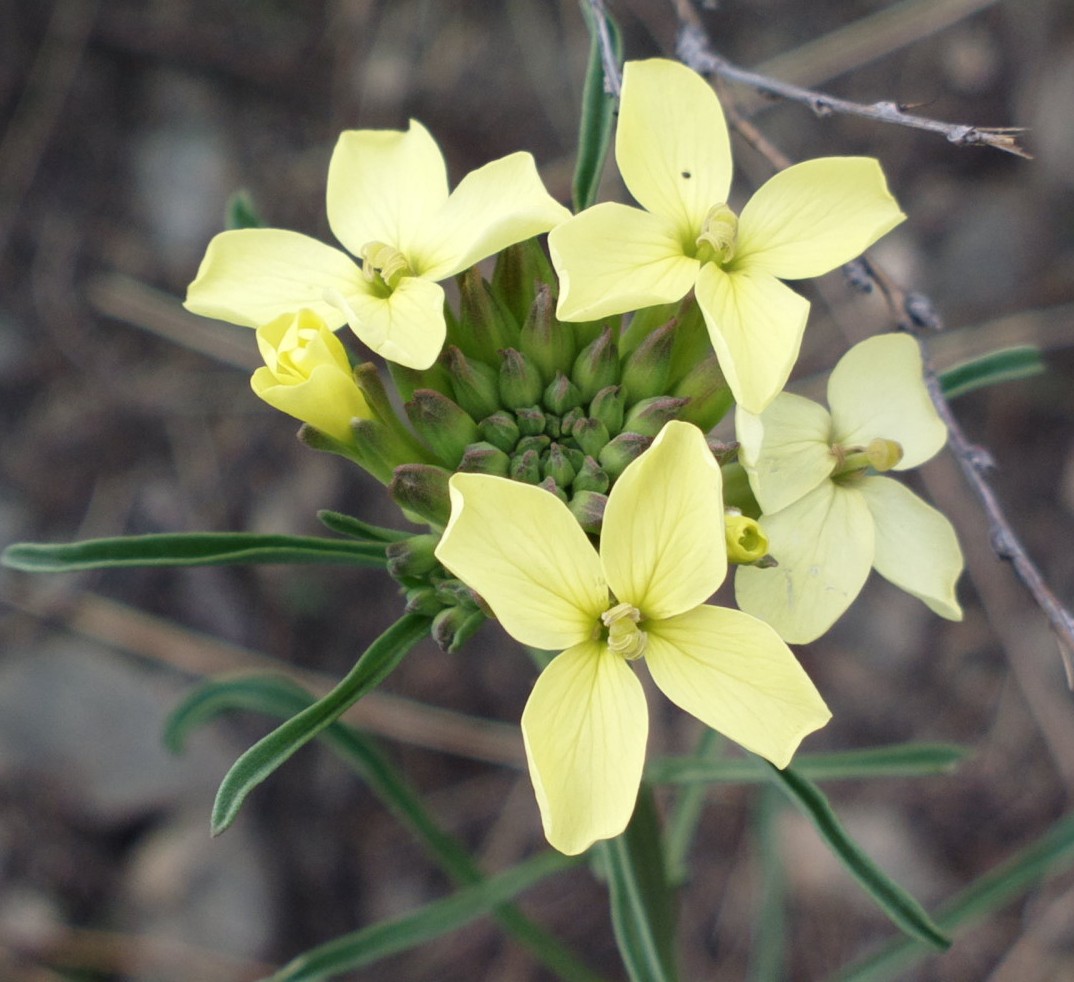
(388, 203)
(307, 374)
(674, 155)
(829, 518)
(661, 556)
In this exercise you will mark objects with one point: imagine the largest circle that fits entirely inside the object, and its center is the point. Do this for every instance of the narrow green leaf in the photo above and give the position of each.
(902, 909)
(279, 696)
(355, 528)
(598, 113)
(642, 900)
(898, 760)
(689, 803)
(188, 549)
(768, 948)
(388, 937)
(271, 751)
(1049, 855)
(1004, 365)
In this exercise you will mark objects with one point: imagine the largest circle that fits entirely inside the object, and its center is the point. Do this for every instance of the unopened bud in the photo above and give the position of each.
(422, 490)
(608, 406)
(556, 466)
(649, 416)
(539, 442)
(422, 600)
(596, 366)
(590, 477)
(412, 557)
(520, 382)
(454, 625)
(621, 451)
(562, 395)
(549, 344)
(521, 269)
(501, 430)
(591, 435)
(746, 543)
(647, 368)
(710, 396)
(484, 458)
(525, 467)
(474, 384)
(531, 420)
(550, 485)
(442, 425)
(588, 508)
(485, 326)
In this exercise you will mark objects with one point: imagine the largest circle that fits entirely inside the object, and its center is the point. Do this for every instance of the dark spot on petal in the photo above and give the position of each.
(687, 174)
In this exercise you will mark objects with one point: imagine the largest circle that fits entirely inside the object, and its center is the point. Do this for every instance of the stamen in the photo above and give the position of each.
(624, 637)
(719, 233)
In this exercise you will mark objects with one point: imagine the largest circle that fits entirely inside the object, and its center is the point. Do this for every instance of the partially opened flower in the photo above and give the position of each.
(307, 374)
(828, 515)
(661, 556)
(674, 155)
(388, 203)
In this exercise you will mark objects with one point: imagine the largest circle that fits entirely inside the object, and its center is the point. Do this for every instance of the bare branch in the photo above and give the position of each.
(694, 49)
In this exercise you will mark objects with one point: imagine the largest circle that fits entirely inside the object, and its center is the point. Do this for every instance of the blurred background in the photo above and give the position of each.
(124, 127)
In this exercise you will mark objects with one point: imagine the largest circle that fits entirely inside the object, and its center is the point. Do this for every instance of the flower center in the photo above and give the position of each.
(880, 454)
(719, 232)
(384, 265)
(624, 635)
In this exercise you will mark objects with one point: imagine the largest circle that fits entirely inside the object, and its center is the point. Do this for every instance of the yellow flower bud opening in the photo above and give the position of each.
(719, 234)
(624, 636)
(384, 265)
(746, 543)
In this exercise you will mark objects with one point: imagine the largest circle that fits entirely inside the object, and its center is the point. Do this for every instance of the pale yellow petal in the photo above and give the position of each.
(493, 207)
(384, 186)
(878, 390)
(755, 324)
(328, 399)
(252, 276)
(407, 326)
(671, 144)
(824, 546)
(786, 450)
(585, 727)
(916, 547)
(734, 674)
(662, 542)
(520, 548)
(612, 258)
(815, 216)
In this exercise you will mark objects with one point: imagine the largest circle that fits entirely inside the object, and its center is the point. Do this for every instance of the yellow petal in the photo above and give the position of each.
(384, 186)
(585, 728)
(493, 207)
(328, 399)
(916, 547)
(815, 216)
(662, 542)
(878, 390)
(520, 548)
(755, 324)
(612, 258)
(734, 674)
(824, 546)
(671, 144)
(786, 451)
(407, 326)
(252, 276)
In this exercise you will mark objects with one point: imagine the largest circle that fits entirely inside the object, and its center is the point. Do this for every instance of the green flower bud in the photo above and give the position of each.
(549, 344)
(501, 430)
(556, 466)
(484, 458)
(520, 382)
(621, 451)
(708, 392)
(422, 490)
(608, 406)
(588, 508)
(474, 384)
(422, 600)
(407, 380)
(596, 366)
(453, 626)
(590, 477)
(539, 442)
(531, 421)
(562, 395)
(646, 370)
(412, 557)
(526, 467)
(591, 435)
(521, 269)
(649, 416)
(485, 326)
(569, 420)
(442, 425)
(549, 485)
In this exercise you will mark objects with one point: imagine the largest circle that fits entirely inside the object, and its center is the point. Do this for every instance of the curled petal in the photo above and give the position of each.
(520, 548)
(815, 216)
(755, 324)
(612, 258)
(493, 207)
(407, 326)
(252, 276)
(671, 144)
(916, 547)
(662, 543)
(585, 727)
(878, 390)
(734, 674)
(328, 400)
(824, 546)
(384, 186)
(786, 451)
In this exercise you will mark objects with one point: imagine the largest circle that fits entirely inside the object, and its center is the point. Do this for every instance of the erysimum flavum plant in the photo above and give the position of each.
(552, 441)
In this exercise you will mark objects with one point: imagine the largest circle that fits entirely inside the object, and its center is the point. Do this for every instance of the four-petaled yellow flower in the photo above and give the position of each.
(388, 203)
(661, 556)
(828, 517)
(307, 374)
(674, 155)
